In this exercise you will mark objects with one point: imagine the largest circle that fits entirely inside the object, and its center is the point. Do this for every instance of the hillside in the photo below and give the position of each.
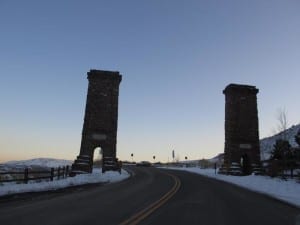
(266, 144)
(38, 162)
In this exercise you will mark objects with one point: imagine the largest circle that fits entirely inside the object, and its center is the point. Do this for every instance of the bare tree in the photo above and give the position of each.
(283, 124)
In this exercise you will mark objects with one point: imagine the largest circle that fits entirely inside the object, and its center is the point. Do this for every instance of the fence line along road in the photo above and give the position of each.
(26, 175)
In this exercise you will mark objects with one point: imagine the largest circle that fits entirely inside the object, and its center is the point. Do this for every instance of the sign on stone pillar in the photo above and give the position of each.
(242, 153)
(100, 121)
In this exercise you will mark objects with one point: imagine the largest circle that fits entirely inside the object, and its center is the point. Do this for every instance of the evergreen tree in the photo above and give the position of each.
(281, 149)
(297, 137)
(285, 155)
(297, 152)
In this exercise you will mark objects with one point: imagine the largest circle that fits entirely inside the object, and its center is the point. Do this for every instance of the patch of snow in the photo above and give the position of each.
(96, 177)
(288, 191)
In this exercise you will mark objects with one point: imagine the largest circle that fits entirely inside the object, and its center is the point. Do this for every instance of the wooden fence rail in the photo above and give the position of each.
(58, 173)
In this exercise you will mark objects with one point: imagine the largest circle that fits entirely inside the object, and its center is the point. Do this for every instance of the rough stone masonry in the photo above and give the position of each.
(242, 153)
(100, 121)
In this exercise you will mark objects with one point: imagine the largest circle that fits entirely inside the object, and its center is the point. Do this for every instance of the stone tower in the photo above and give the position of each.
(100, 121)
(242, 153)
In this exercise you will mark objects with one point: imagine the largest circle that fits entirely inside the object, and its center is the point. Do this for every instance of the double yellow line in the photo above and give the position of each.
(138, 217)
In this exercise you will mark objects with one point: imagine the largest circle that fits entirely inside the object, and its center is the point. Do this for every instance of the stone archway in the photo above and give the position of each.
(241, 129)
(100, 121)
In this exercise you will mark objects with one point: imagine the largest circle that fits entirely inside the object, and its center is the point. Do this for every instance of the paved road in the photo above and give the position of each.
(108, 204)
(199, 200)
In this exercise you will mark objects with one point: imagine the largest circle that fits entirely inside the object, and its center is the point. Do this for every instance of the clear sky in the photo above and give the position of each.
(176, 57)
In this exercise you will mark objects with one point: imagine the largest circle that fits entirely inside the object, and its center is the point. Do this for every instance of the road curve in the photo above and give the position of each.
(106, 204)
(207, 201)
(152, 196)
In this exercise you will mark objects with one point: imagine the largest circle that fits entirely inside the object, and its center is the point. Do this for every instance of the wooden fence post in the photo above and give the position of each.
(52, 174)
(67, 171)
(58, 173)
(26, 175)
(64, 172)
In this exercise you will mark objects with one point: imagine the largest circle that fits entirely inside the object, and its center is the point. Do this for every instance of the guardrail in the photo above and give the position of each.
(27, 174)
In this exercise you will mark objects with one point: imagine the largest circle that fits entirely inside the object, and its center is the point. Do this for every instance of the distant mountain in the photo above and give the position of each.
(266, 144)
(217, 159)
(40, 162)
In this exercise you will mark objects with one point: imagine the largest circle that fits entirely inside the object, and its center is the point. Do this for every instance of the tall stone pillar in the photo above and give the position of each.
(100, 121)
(242, 153)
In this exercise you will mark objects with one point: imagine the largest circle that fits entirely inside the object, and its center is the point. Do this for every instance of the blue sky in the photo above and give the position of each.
(176, 57)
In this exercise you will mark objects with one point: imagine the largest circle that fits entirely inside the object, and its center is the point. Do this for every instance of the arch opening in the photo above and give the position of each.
(245, 164)
(97, 158)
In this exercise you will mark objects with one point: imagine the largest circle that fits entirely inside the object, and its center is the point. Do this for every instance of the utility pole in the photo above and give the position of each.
(173, 155)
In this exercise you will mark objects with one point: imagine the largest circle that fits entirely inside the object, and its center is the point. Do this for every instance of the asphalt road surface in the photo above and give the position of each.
(151, 196)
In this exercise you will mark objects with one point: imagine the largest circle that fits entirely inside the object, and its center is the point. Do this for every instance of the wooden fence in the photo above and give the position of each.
(27, 175)
(276, 169)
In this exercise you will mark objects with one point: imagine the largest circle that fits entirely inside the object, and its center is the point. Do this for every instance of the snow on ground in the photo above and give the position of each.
(96, 177)
(288, 191)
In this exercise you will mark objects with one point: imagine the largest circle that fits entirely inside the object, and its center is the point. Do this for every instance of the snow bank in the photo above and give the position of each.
(96, 177)
(288, 191)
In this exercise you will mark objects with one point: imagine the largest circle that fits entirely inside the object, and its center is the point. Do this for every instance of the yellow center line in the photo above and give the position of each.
(138, 217)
